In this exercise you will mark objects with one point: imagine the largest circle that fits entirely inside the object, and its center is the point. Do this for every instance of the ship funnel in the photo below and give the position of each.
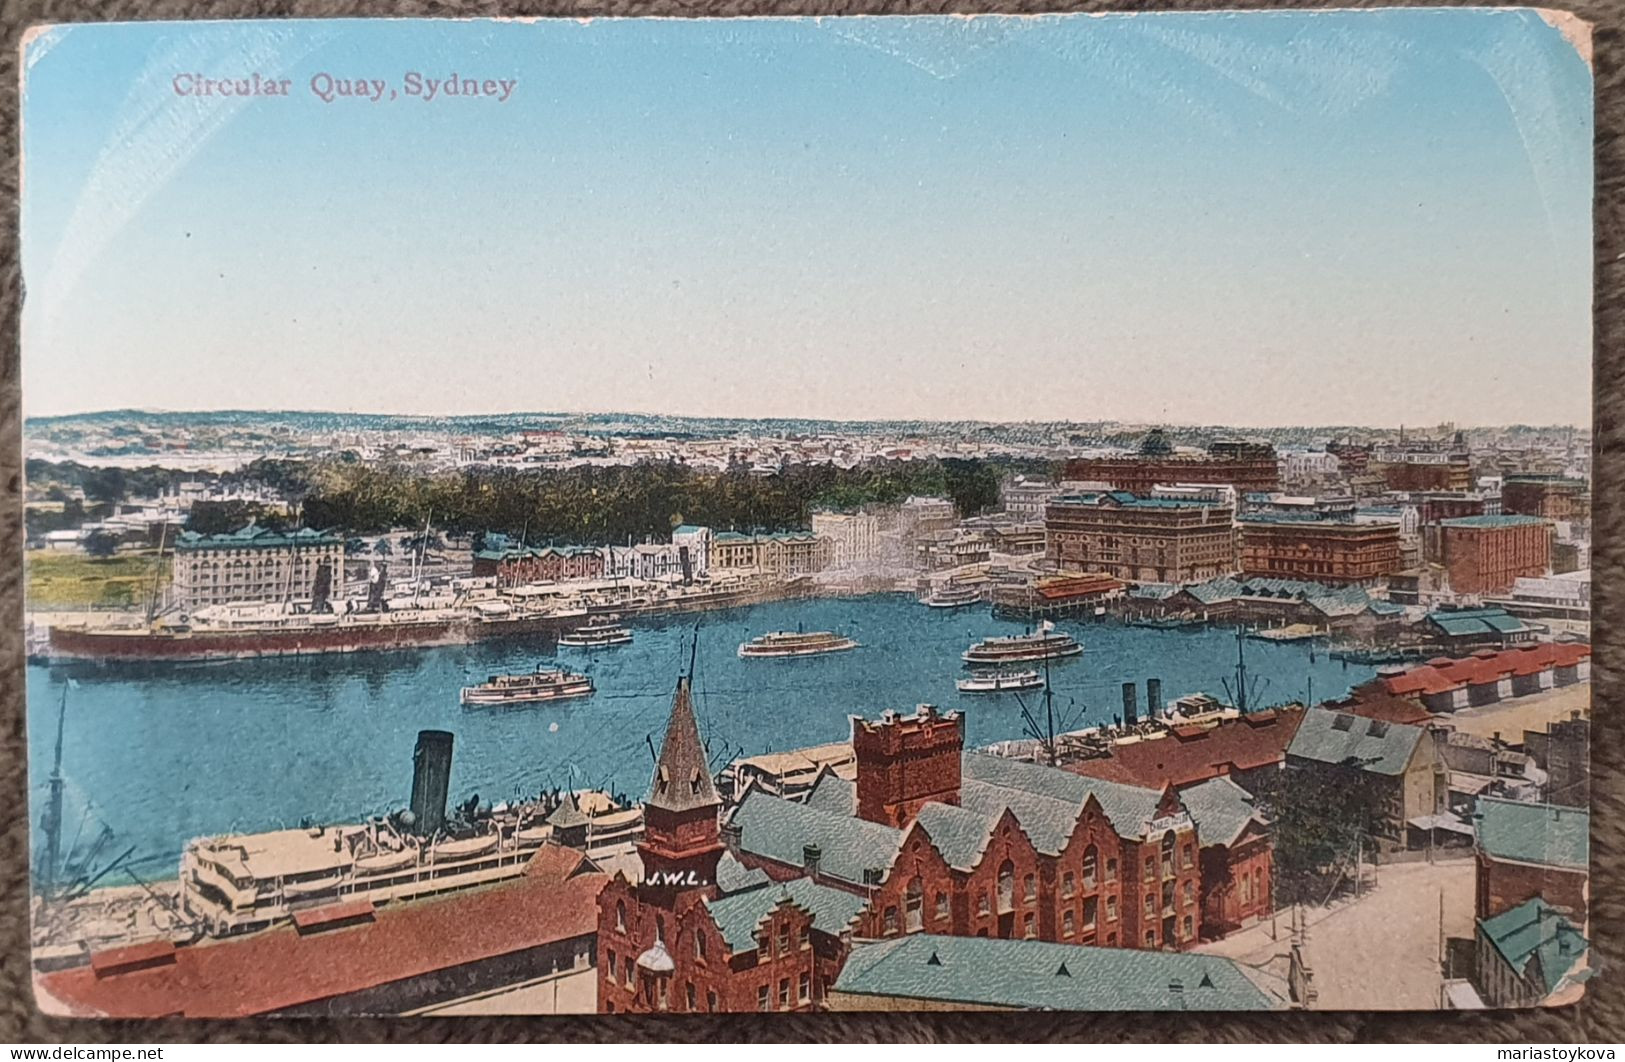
(1131, 711)
(1153, 697)
(431, 778)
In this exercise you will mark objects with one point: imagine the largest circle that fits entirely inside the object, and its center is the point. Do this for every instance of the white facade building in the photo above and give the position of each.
(854, 538)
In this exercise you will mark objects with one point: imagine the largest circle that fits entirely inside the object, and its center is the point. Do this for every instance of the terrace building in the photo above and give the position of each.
(256, 564)
(780, 553)
(517, 565)
(1140, 539)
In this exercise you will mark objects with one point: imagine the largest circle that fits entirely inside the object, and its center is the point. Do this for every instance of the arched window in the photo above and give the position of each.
(913, 904)
(620, 917)
(1168, 854)
(1007, 887)
(1091, 859)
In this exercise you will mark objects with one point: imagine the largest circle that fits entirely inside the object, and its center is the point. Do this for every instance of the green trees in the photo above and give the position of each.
(1322, 817)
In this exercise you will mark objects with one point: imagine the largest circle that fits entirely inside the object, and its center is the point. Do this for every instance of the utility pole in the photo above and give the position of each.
(1241, 670)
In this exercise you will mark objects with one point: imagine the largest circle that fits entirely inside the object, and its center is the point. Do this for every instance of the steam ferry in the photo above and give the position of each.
(1001, 682)
(795, 643)
(599, 633)
(543, 684)
(953, 595)
(1044, 644)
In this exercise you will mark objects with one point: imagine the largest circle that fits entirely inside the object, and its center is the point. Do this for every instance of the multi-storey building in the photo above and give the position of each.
(1548, 497)
(256, 564)
(1528, 851)
(518, 565)
(1423, 469)
(696, 541)
(1246, 466)
(1488, 554)
(1140, 539)
(1337, 551)
(645, 560)
(919, 516)
(779, 553)
(854, 538)
(1026, 499)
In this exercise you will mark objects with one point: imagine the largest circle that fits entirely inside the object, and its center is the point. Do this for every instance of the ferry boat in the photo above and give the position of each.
(1044, 644)
(600, 632)
(543, 684)
(1001, 682)
(953, 595)
(795, 643)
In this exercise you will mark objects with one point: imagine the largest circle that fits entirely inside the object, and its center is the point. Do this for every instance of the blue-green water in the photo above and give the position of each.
(165, 752)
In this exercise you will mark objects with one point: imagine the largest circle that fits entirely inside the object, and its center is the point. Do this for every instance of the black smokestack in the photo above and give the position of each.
(1131, 712)
(431, 778)
(688, 566)
(322, 588)
(1153, 697)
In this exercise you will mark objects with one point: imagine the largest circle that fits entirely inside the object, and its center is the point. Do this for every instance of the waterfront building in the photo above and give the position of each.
(1053, 596)
(1140, 539)
(1464, 630)
(780, 553)
(1487, 554)
(1184, 756)
(514, 566)
(854, 538)
(1401, 762)
(254, 564)
(1548, 497)
(1247, 466)
(1529, 956)
(646, 560)
(921, 516)
(1326, 550)
(354, 957)
(792, 774)
(1531, 851)
(930, 973)
(696, 541)
(1488, 676)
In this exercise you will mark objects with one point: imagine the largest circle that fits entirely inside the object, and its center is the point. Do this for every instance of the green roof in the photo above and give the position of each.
(832, 793)
(1128, 807)
(959, 835)
(1543, 834)
(734, 876)
(1370, 744)
(1128, 500)
(1476, 621)
(1034, 975)
(1047, 821)
(1500, 520)
(522, 552)
(764, 536)
(1220, 808)
(738, 915)
(1535, 930)
(252, 536)
(779, 829)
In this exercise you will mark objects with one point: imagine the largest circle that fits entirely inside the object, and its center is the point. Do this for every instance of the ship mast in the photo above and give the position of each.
(51, 821)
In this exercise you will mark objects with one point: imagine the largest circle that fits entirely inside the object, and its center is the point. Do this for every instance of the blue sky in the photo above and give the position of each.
(1378, 217)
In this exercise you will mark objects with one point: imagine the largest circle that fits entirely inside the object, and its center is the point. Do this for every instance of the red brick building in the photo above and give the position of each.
(1283, 546)
(1238, 749)
(1238, 856)
(1434, 505)
(1523, 851)
(1245, 466)
(1423, 470)
(1486, 554)
(1145, 539)
(547, 564)
(1548, 497)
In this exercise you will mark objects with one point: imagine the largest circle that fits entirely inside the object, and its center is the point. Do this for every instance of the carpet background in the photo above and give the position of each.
(1599, 1018)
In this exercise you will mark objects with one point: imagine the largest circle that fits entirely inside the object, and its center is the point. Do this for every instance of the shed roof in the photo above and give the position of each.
(1543, 834)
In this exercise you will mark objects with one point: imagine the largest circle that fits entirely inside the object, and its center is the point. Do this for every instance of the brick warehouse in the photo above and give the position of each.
(1136, 538)
(760, 914)
(547, 564)
(1487, 554)
(1326, 550)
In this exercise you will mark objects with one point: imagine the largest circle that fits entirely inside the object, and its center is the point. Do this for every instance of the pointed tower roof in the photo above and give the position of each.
(682, 780)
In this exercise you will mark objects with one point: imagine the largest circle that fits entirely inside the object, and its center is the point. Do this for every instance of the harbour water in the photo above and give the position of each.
(161, 753)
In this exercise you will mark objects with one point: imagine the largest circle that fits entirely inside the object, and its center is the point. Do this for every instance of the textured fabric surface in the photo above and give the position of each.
(1600, 1017)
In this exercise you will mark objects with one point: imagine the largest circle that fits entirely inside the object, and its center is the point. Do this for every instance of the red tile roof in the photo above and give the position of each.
(1372, 702)
(555, 900)
(1192, 754)
(1443, 674)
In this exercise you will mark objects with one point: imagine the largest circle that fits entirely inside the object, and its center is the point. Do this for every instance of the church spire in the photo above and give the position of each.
(682, 779)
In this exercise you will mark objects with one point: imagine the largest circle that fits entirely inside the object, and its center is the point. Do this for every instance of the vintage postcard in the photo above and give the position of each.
(809, 514)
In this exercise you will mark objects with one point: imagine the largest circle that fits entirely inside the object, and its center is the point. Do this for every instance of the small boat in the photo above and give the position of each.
(1000, 682)
(385, 861)
(600, 632)
(795, 643)
(952, 595)
(543, 684)
(1044, 644)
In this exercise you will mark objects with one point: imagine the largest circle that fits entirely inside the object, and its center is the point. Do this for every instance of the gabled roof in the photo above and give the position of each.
(1047, 821)
(1546, 835)
(738, 916)
(252, 536)
(682, 778)
(1221, 810)
(1370, 744)
(734, 876)
(1034, 975)
(960, 835)
(830, 792)
(779, 829)
(1128, 808)
(1245, 744)
(1535, 937)
(1460, 624)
